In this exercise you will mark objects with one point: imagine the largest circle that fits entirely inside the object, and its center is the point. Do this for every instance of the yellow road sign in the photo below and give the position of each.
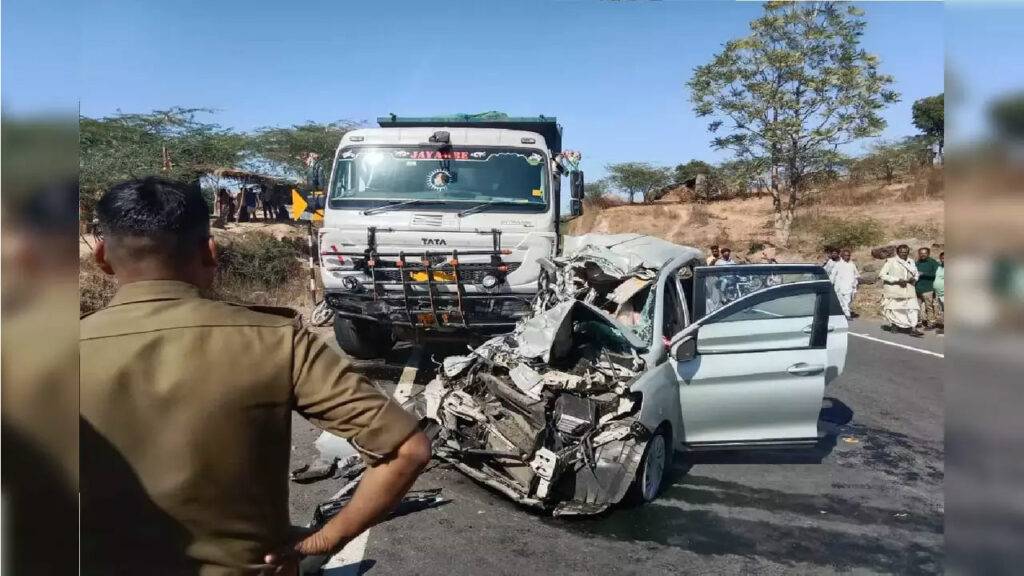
(299, 204)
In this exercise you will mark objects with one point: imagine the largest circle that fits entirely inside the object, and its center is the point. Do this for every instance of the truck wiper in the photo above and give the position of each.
(486, 205)
(392, 206)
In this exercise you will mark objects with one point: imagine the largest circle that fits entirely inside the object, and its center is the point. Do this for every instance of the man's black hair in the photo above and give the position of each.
(902, 246)
(170, 217)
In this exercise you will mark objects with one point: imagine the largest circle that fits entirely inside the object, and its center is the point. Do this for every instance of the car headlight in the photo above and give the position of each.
(489, 281)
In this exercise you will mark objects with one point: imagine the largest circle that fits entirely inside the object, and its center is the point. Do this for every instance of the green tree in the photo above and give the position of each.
(891, 160)
(171, 143)
(596, 191)
(292, 150)
(641, 178)
(1007, 116)
(929, 117)
(792, 91)
(690, 170)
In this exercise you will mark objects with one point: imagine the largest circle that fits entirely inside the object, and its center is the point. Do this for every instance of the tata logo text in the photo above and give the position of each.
(434, 242)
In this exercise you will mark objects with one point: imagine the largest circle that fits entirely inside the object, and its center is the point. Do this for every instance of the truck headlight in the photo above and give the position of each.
(489, 281)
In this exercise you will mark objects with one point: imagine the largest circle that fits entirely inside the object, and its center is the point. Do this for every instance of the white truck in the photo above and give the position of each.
(433, 226)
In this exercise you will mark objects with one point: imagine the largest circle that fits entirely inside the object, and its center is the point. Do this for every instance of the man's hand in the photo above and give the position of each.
(902, 283)
(282, 563)
(380, 490)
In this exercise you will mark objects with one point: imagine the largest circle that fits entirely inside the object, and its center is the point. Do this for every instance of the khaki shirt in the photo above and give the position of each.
(186, 432)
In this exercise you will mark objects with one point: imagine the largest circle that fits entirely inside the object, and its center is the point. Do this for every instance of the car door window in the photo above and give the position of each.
(718, 286)
(788, 318)
(674, 320)
(796, 306)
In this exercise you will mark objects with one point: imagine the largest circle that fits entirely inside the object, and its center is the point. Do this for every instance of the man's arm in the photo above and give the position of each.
(329, 393)
(380, 490)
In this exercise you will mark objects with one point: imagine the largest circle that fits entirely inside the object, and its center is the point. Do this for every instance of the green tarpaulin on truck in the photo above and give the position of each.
(545, 126)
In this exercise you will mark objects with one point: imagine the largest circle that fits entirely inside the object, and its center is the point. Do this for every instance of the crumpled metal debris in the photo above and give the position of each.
(545, 414)
(335, 456)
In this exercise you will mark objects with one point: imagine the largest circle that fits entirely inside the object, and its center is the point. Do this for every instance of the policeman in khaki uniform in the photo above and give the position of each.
(184, 448)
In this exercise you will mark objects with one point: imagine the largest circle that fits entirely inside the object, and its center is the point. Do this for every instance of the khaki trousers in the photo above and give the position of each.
(931, 311)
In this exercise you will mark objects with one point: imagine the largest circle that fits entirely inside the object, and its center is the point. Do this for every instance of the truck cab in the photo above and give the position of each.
(433, 226)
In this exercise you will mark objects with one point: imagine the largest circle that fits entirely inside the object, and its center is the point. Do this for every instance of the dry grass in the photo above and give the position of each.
(256, 268)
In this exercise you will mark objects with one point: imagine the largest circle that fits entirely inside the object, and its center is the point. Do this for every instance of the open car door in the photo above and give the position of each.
(716, 286)
(752, 371)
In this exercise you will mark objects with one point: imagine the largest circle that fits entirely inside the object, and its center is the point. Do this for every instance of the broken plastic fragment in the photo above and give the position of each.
(527, 379)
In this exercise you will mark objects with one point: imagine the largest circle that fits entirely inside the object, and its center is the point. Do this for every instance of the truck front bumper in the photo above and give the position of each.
(483, 313)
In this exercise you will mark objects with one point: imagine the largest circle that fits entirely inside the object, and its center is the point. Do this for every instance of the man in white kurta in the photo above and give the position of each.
(844, 276)
(899, 299)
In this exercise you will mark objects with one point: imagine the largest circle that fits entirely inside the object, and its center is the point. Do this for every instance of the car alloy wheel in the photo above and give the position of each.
(654, 467)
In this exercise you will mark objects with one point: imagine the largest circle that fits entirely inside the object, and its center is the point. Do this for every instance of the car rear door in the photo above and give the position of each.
(752, 371)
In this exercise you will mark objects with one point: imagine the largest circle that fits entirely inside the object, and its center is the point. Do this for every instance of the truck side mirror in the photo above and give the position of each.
(575, 208)
(576, 185)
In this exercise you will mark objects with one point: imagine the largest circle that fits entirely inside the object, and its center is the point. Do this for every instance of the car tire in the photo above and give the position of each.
(363, 340)
(654, 467)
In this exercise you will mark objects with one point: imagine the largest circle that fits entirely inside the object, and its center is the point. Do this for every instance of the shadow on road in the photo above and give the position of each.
(786, 541)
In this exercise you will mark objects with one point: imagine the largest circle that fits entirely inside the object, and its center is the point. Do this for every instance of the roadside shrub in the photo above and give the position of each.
(256, 262)
(850, 233)
(920, 231)
(831, 231)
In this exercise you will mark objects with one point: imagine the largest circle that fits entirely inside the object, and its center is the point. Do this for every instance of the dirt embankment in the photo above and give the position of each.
(866, 216)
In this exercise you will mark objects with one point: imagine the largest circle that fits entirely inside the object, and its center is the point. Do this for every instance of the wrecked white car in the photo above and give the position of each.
(634, 350)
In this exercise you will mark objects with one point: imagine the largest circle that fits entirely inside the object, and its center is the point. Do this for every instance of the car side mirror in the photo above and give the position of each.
(685, 350)
(576, 185)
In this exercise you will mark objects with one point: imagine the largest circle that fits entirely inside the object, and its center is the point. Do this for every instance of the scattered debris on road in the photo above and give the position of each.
(414, 501)
(337, 458)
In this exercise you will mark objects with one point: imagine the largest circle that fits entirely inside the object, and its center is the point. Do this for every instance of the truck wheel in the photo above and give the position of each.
(363, 340)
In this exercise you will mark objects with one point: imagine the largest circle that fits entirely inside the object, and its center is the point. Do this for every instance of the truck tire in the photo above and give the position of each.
(363, 340)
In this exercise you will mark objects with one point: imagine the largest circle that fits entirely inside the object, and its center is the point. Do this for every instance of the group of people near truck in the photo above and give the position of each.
(913, 291)
(243, 205)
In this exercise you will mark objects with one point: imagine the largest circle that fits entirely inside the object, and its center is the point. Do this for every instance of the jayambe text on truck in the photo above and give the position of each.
(433, 226)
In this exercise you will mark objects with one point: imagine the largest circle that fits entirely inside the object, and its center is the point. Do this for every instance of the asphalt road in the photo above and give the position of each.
(867, 499)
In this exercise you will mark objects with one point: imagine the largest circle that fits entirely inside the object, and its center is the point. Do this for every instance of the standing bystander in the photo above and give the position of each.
(899, 301)
(845, 276)
(715, 255)
(940, 292)
(927, 267)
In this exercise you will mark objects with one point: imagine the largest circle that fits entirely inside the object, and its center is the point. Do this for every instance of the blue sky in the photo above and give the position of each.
(612, 72)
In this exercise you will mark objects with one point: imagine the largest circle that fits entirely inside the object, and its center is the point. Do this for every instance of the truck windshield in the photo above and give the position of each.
(462, 176)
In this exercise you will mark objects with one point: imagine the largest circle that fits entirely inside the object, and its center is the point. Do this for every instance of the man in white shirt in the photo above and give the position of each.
(833, 257)
(844, 276)
(726, 259)
(899, 298)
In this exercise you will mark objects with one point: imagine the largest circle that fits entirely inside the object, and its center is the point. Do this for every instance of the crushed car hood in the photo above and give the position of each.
(545, 414)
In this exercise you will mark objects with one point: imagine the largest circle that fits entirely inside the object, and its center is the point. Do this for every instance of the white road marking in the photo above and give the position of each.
(896, 344)
(348, 562)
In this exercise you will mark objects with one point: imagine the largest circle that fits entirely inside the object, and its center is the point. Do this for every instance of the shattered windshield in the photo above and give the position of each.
(464, 176)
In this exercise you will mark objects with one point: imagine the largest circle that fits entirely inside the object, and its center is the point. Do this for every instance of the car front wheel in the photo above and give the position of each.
(654, 467)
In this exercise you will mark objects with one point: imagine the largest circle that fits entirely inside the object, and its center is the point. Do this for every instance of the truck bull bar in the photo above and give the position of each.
(429, 269)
